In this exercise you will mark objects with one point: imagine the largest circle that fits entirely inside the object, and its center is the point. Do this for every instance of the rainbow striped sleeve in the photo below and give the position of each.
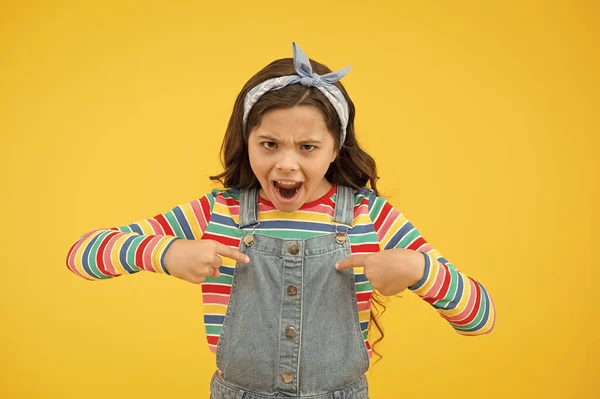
(459, 299)
(107, 253)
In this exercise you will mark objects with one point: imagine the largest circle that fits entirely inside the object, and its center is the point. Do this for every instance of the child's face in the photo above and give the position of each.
(290, 152)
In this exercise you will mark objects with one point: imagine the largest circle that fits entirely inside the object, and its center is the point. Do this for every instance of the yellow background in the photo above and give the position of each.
(481, 116)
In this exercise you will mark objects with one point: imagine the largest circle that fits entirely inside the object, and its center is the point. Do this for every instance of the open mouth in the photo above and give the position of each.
(287, 190)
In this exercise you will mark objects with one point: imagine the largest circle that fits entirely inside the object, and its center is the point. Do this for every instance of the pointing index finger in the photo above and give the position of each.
(231, 253)
(353, 261)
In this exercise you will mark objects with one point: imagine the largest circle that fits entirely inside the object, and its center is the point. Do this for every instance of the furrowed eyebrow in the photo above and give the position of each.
(306, 141)
(309, 141)
(265, 137)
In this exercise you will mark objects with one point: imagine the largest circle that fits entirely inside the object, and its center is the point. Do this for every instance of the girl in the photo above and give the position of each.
(291, 252)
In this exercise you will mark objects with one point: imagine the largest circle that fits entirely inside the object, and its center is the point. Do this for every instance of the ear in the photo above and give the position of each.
(334, 155)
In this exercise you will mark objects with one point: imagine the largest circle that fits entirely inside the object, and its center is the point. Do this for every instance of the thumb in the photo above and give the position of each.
(353, 261)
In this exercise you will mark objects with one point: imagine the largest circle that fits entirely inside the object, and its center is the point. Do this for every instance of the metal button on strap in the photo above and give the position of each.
(340, 238)
(290, 332)
(287, 377)
(249, 239)
(292, 290)
(294, 248)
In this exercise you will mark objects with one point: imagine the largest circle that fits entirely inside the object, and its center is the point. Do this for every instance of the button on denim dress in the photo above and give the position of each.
(292, 327)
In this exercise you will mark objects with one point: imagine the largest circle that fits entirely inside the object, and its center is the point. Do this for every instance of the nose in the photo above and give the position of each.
(287, 162)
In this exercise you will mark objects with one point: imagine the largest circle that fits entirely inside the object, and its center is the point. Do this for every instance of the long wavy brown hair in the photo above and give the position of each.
(353, 167)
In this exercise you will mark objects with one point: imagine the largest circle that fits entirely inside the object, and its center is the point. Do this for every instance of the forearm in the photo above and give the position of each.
(462, 301)
(128, 249)
(459, 299)
(106, 253)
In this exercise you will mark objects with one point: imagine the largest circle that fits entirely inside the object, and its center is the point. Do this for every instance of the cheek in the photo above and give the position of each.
(257, 163)
(317, 168)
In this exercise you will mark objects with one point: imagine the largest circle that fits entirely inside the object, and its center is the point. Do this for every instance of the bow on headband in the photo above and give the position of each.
(306, 77)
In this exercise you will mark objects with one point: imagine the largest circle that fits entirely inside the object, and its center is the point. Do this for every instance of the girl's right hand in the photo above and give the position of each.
(194, 260)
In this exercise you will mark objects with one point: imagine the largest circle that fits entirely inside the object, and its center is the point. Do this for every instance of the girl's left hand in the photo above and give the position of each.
(390, 271)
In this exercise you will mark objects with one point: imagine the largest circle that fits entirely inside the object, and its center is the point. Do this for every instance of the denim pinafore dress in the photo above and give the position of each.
(292, 327)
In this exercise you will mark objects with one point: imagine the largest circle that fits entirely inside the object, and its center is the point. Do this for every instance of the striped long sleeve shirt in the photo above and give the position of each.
(377, 225)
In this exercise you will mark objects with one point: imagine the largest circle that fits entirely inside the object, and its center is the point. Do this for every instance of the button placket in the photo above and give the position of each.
(291, 317)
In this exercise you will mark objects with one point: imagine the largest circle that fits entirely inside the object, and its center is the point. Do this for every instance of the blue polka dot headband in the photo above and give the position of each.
(306, 77)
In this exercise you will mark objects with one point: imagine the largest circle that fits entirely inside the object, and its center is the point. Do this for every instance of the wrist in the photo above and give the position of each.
(417, 267)
(165, 259)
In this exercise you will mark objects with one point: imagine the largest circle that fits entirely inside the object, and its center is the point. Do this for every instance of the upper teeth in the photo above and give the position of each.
(286, 182)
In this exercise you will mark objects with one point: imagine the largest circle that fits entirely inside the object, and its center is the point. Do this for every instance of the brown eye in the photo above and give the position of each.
(308, 147)
(269, 145)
